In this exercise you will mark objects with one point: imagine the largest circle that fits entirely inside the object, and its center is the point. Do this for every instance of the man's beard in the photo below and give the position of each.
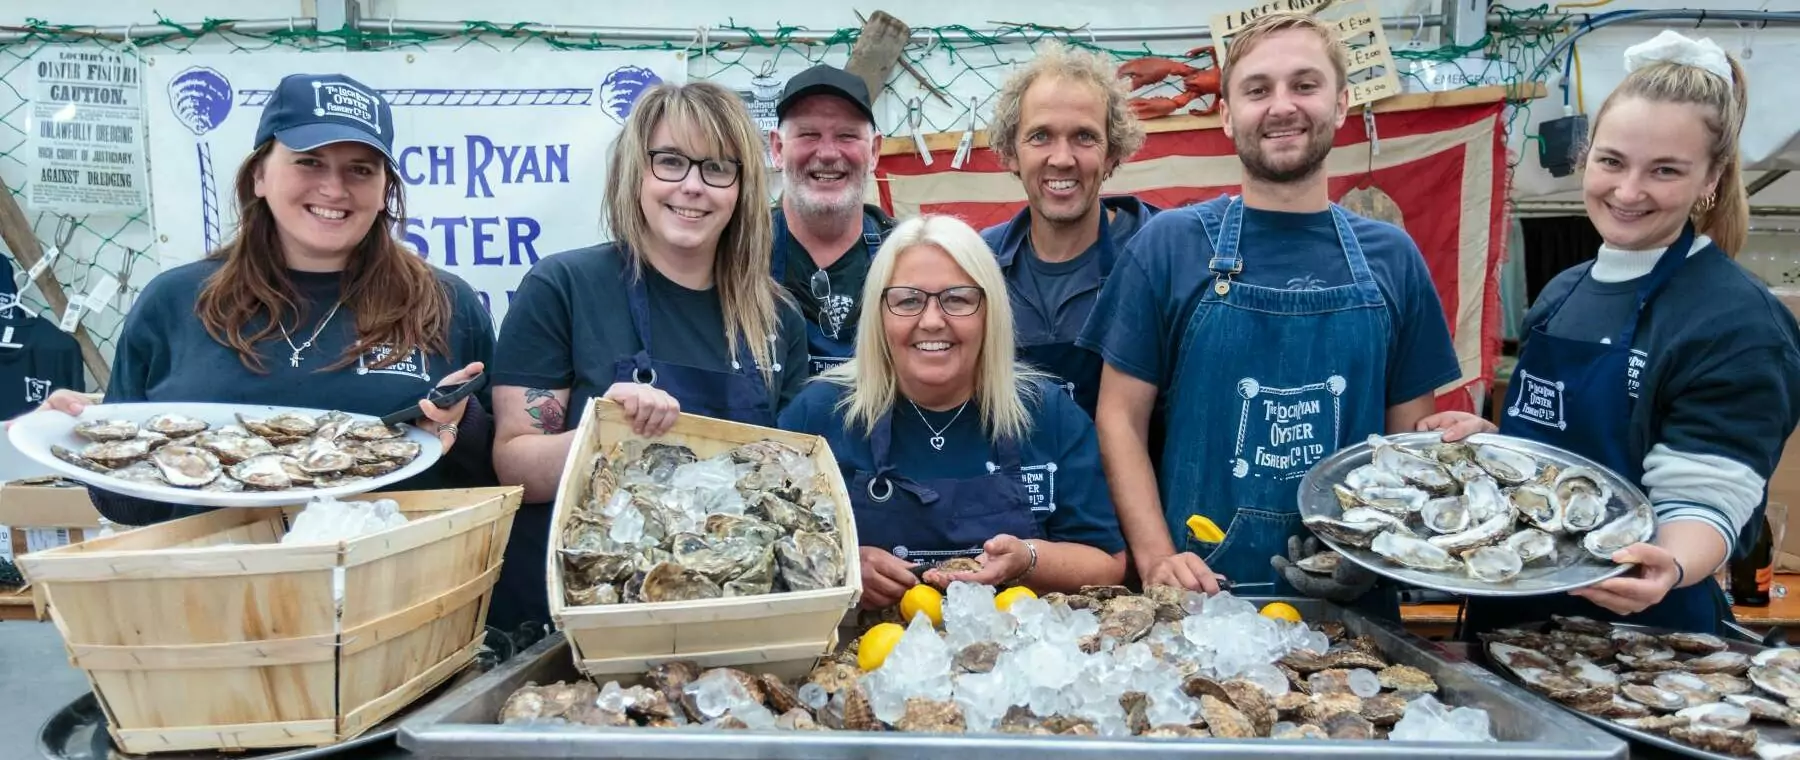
(808, 203)
(1258, 165)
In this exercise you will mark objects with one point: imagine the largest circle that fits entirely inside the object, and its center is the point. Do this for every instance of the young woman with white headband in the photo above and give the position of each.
(1661, 359)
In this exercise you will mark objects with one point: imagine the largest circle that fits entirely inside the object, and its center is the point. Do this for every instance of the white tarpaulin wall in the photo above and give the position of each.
(503, 154)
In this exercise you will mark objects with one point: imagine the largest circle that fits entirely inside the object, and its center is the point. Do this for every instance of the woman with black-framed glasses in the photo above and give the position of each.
(949, 446)
(677, 314)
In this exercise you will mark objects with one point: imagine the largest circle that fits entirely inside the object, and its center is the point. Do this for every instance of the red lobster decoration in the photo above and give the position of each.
(1152, 70)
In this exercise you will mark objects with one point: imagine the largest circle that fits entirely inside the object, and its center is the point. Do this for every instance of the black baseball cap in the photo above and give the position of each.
(310, 110)
(825, 79)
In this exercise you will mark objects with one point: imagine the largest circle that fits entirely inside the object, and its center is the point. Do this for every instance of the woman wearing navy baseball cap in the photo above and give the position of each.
(312, 302)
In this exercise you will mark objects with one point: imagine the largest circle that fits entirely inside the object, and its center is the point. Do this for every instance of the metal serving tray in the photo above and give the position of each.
(463, 723)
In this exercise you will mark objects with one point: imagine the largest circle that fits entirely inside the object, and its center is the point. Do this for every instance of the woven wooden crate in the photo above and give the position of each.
(206, 633)
(783, 633)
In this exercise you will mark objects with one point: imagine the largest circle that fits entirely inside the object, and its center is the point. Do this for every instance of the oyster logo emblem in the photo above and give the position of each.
(621, 89)
(200, 98)
(1283, 432)
(346, 101)
(36, 390)
(1538, 400)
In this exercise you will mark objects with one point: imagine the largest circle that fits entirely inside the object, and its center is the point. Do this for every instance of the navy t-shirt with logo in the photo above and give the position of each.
(1060, 459)
(165, 354)
(45, 359)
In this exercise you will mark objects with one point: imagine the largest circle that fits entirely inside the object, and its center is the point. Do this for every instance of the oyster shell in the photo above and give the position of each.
(1493, 564)
(1619, 707)
(740, 526)
(1225, 721)
(1348, 726)
(1562, 688)
(75, 458)
(231, 449)
(1371, 476)
(1656, 724)
(322, 457)
(186, 466)
(1538, 506)
(1253, 702)
(1766, 750)
(1385, 709)
(797, 719)
(1582, 512)
(1532, 545)
(1625, 530)
(1784, 657)
(1485, 499)
(172, 424)
(978, 657)
(834, 677)
(858, 714)
(1728, 741)
(1717, 715)
(1778, 681)
(1413, 552)
(1323, 706)
(372, 430)
(101, 431)
(1763, 708)
(1580, 479)
(1445, 514)
(117, 453)
(264, 472)
(809, 561)
(1587, 672)
(1509, 466)
(1690, 687)
(1399, 502)
(1660, 700)
(1127, 618)
(405, 451)
(670, 582)
(1640, 656)
(1725, 683)
(1694, 643)
(1406, 680)
(1358, 534)
(1323, 563)
(1519, 658)
(1300, 731)
(140, 472)
(1492, 531)
(930, 716)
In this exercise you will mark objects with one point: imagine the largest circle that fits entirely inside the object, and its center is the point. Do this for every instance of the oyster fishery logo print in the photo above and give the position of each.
(200, 98)
(621, 89)
(1286, 430)
(1539, 400)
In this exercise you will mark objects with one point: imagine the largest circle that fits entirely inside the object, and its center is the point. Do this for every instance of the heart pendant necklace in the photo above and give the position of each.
(937, 435)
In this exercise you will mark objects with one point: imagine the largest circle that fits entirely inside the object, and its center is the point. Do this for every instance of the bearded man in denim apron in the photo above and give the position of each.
(1272, 328)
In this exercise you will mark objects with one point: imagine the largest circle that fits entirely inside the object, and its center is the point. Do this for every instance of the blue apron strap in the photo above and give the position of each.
(871, 235)
(1354, 256)
(1666, 267)
(637, 299)
(1007, 451)
(778, 258)
(880, 442)
(1225, 261)
(1106, 241)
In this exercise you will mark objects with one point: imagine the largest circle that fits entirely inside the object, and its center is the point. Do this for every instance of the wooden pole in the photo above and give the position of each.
(15, 231)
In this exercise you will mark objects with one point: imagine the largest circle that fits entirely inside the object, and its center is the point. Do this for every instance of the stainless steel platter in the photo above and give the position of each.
(1767, 731)
(1572, 567)
(464, 724)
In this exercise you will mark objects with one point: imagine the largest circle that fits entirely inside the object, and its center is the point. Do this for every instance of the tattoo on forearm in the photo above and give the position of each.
(547, 413)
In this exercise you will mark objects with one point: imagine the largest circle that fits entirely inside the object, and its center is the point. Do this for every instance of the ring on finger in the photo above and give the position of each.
(448, 427)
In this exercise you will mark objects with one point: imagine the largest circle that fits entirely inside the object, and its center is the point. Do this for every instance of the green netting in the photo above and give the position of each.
(949, 78)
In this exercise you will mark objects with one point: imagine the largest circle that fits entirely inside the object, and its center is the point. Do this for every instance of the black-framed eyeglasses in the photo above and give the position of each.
(960, 301)
(672, 166)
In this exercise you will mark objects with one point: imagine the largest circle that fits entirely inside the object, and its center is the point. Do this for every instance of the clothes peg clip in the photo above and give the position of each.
(1369, 130)
(913, 119)
(966, 145)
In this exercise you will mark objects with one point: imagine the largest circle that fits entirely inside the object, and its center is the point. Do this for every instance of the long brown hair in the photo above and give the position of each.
(747, 293)
(1727, 218)
(396, 299)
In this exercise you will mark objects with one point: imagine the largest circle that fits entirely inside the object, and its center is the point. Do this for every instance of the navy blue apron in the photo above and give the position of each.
(1572, 394)
(929, 521)
(1077, 369)
(824, 350)
(1269, 383)
(739, 395)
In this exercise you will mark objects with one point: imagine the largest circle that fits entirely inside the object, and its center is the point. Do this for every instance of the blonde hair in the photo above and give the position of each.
(1055, 60)
(719, 123)
(1245, 41)
(1727, 219)
(1004, 387)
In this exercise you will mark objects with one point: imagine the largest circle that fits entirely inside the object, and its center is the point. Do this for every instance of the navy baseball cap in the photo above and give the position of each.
(307, 111)
(825, 79)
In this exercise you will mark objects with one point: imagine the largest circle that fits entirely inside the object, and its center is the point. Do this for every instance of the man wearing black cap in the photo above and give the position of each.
(826, 145)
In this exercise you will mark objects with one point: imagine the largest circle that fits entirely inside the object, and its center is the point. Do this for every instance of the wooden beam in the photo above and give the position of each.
(878, 50)
(1412, 101)
(15, 231)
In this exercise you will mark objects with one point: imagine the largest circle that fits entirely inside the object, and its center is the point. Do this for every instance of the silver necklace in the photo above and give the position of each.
(294, 360)
(937, 436)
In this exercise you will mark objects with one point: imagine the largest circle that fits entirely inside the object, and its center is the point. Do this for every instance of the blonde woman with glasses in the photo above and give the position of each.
(951, 448)
(677, 314)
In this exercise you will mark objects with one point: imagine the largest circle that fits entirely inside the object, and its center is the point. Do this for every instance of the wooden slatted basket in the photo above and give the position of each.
(783, 633)
(206, 633)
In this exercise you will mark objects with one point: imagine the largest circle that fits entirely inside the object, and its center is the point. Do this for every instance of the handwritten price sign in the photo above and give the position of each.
(1371, 62)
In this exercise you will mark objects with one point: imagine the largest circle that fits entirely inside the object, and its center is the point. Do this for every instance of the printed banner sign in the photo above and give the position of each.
(503, 154)
(1440, 175)
(85, 146)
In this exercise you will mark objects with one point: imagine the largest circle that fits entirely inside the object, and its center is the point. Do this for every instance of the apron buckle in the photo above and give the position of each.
(637, 376)
(884, 495)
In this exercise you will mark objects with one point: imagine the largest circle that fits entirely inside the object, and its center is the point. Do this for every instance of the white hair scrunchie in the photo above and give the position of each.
(1673, 47)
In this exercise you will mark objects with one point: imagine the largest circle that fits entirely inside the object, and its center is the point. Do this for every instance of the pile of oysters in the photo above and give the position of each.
(1690, 688)
(1320, 702)
(1480, 510)
(286, 451)
(655, 523)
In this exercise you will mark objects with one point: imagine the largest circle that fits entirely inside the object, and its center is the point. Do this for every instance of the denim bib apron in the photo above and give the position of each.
(739, 396)
(1572, 394)
(824, 350)
(932, 520)
(1268, 383)
(1077, 369)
